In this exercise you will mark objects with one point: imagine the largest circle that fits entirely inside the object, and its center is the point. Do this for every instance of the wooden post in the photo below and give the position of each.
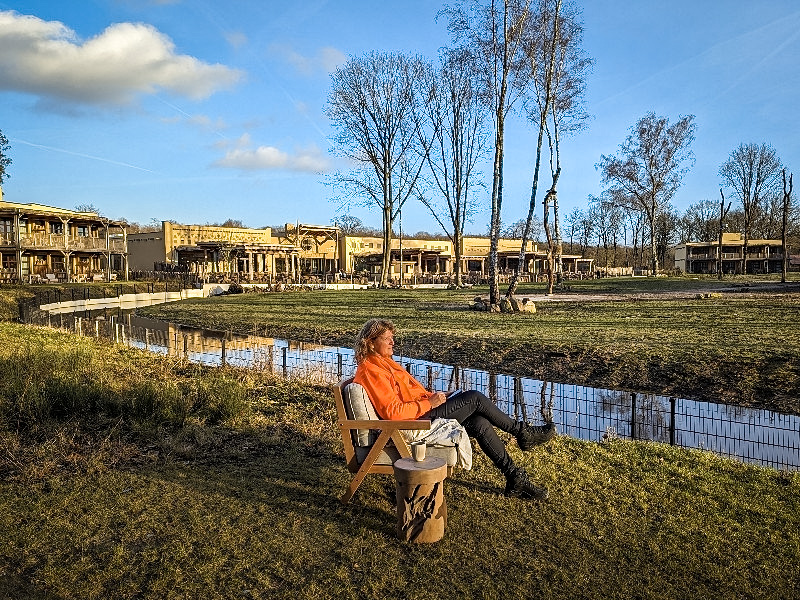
(421, 507)
(284, 352)
(339, 369)
(672, 421)
(222, 356)
(519, 400)
(633, 416)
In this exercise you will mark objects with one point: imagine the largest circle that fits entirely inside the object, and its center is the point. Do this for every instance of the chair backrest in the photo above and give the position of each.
(358, 407)
(347, 439)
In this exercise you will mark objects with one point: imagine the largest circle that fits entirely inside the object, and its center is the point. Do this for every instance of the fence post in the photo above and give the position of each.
(430, 377)
(633, 416)
(185, 346)
(147, 339)
(222, 359)
(339, 369)
(518, 399)
(96, 328)
(672, 421)
(493, 387)
(271, 353)
(284, 352)
(78, 326)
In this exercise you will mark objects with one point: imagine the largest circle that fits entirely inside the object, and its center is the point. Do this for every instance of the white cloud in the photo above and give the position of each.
(126, 60)
(326, 59)
(268, 158)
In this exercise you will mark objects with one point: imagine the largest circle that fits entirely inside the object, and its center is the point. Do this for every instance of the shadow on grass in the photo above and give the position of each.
(18, 588)
(298, 474)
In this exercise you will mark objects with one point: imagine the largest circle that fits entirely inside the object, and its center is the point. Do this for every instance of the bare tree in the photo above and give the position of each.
(348, 224)
(5, 160)
(516, 230)
(649, 169)
(699, 222)
(751, 172)
(723, 212)
(559, 81)
(573, 221)
(787, 202)
(373, 107)
(496, 34)
(90, 208)
(607, 218)
(457, 118)
(666, 233)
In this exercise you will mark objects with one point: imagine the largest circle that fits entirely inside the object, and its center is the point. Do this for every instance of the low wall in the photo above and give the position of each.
(125, 301)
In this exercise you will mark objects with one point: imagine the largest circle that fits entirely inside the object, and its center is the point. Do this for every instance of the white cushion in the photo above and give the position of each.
(359, 408)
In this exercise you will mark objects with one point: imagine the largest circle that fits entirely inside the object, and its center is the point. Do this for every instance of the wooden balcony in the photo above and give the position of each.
(57, 241)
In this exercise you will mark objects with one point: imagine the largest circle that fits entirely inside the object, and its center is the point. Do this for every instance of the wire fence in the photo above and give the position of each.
(751, 435)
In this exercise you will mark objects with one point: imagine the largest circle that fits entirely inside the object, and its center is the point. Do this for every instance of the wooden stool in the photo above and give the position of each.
(421, 509)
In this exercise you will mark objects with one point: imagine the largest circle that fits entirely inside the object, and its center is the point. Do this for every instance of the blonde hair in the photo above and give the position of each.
(371, 330)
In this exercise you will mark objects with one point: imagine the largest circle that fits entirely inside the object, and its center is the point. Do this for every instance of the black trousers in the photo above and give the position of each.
(480, 416)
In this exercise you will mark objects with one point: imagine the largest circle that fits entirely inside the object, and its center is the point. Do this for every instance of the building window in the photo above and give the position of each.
(57, 227)
(6, 228)
(82, 230)
(9, 261)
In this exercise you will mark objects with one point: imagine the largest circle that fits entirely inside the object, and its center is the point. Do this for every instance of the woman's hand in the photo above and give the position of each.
(437, 399)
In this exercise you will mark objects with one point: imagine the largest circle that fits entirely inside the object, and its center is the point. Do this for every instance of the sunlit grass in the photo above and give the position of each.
(133, 508)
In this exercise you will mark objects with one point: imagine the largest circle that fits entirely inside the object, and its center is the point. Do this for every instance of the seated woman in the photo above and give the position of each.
(397, 395)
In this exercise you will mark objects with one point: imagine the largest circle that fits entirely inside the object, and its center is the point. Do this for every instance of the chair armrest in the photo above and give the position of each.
(385, 424)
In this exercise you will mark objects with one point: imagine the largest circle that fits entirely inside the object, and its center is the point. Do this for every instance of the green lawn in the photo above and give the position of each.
(127, 475)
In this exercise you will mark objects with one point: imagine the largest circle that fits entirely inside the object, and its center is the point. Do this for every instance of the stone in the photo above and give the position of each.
(528, 305)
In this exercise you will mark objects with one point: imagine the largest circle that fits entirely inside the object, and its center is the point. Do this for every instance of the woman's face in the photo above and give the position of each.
(383, 345)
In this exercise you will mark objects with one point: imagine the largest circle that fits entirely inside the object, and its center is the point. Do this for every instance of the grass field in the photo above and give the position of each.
(698, 339)
(128, 475)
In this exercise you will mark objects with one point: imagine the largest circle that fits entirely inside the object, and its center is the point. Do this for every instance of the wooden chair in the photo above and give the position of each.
(362, 465)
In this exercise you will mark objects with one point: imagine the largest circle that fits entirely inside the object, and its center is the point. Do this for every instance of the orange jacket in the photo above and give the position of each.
(395, 394)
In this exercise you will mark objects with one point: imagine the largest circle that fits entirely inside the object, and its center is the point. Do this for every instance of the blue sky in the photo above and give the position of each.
(200, 111)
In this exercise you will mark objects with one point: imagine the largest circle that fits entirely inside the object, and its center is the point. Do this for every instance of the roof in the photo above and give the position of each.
(42, 209)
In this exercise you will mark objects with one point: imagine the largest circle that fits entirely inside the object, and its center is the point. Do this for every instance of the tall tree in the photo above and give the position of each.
(373, 105)
(5, 160)
(557, 107)
(787, 203)
(457, 119)
(648, 171)
(496, 33)
(752, 172)
(723, 212)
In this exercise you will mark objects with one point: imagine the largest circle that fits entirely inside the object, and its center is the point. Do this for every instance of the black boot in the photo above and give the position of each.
(519, 486)
(534, 435)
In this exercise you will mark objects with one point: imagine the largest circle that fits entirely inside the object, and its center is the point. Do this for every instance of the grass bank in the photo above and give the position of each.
(102, 500)
(656, 335)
